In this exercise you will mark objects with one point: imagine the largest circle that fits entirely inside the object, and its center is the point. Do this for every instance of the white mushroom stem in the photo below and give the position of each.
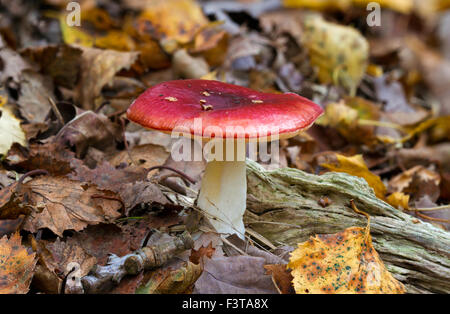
(223, 195)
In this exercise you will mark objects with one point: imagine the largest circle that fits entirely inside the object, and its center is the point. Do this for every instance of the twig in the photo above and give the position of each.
(188, 178)
(432, 218)
(31, 173)
(430, 208)
(56, 111)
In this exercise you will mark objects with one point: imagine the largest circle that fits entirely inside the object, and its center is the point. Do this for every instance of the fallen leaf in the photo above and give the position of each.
(10, 129)
(178, 20)
(356, 166)
(35, 94)
(197, 256)
(61, 62)
(12, 201)
(398, 200)
(234, 275)
(344, 262)
(105, 176)
(403, 6)
(88, 129)
(339, 52)
(145, 156)
(282, 277)
(98, 67)
(9, 226)
(12, 63)
(417, 181)
(69, 205)
(56, 260)
(16, 266)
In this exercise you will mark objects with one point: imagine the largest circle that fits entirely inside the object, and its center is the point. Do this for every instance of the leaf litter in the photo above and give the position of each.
(102, 185)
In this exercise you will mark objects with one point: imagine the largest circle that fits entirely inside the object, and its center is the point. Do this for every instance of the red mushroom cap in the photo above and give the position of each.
(175, 104)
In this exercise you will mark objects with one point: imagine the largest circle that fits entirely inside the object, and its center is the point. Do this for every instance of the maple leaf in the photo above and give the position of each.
(16, 266)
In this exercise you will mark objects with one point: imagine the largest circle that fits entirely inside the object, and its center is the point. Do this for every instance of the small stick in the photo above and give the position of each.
(31, 173)
(352, 203)
(56, 111)
(191, 180)
(430, 208)
(432, 218)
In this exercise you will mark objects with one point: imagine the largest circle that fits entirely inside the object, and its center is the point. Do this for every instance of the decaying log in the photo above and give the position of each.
(283, 206)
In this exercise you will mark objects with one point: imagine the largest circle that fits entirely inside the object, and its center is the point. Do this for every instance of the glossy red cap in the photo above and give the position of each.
(176, 104)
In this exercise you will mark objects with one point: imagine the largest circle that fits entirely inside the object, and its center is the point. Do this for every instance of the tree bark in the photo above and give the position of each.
(283, 206)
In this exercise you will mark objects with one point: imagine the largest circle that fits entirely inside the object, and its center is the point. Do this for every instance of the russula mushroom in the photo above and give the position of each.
(251, 115)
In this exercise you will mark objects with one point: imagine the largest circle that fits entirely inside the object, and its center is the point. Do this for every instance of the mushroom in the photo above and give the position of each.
(221, 107)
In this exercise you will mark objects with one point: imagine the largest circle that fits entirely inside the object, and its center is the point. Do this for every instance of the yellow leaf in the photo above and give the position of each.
(318, 4)
(174, 19)
(74, 35)
(115, 40)
(398, 200)
(374, 70)
(16, 266)
(340, 53)
(403, 6)
(10, 130)
(356, 166)
(344, 262)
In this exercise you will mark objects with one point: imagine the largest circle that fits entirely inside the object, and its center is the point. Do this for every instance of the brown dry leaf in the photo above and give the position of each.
(106, 177)
(89, 129)
(145, 156)
(344, 262)
(282, 277)
(11, 201)
(347, 117)
(61, 62)
(12, 64)
(16, 266)
(434, 69)
(35, 92)
(169, 281)
(98, 67)
(69, 205)
(197, 256)
(9, 226)
(356, 166)
(235, 275)
(340, 53)
(56, 261)
(51, 157)
(418, 182)
(398, 200)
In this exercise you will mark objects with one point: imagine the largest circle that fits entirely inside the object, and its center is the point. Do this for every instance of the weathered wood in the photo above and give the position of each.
(283, 207)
